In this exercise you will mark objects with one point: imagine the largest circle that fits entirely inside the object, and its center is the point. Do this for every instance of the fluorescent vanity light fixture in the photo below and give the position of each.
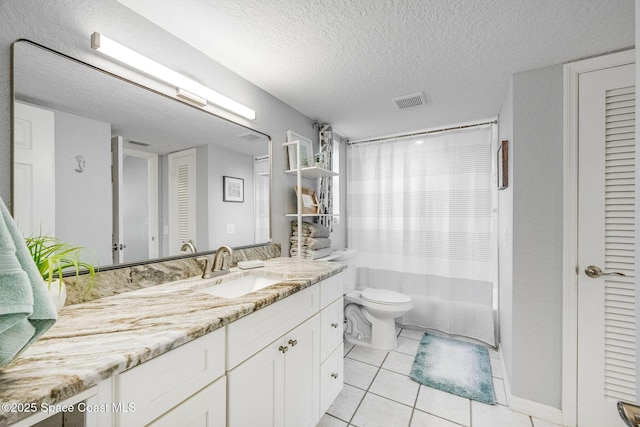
(183, 84)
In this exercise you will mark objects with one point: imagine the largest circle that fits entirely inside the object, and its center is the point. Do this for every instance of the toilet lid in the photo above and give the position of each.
(384, 296)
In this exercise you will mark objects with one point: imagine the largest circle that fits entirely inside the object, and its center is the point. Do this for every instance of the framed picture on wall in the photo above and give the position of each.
(503, 165)
(232, 189)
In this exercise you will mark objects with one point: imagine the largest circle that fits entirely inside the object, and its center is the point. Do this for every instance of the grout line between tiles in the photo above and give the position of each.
(368, 387)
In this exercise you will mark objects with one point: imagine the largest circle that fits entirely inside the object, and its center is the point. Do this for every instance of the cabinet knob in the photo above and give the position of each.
(283, 349)
(334, 375)
(334, 325)
(293, 343)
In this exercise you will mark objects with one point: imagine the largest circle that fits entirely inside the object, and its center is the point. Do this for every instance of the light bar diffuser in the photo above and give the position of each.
(140, 62)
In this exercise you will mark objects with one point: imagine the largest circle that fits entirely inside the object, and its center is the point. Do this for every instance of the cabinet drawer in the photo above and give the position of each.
(163, 382)
(331, 328)
(207, 408)
(331, 288)
(252, 333)
(331, 378)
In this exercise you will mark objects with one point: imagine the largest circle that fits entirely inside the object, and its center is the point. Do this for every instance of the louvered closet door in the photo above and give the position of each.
(606, 241)
(182, 199)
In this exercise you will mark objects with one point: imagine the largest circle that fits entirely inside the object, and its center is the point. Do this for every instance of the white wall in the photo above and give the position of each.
(203, 215)
(66, 26)
(84, 199)
(505, 238)
(531, 279)
(221, 214)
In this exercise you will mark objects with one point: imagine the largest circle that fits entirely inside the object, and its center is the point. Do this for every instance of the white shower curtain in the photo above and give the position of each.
(420, 215)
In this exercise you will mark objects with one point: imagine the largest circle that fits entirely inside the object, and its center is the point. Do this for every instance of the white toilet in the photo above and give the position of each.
(371, 315)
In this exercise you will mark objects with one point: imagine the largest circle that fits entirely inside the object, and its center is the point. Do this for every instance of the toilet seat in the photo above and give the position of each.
(384, 296)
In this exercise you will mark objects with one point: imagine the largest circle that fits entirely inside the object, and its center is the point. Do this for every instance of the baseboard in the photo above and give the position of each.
(528, 407)
(535, 409)
(505, 379)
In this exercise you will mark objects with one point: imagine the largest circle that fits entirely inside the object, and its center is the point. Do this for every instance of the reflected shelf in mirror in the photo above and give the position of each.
(312, 172)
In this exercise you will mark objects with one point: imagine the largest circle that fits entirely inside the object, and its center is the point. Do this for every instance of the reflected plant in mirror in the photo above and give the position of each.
(153, 166)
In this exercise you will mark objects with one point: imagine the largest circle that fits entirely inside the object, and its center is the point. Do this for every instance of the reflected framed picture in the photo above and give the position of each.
(232, 189)
(503, 165)
(306, 151)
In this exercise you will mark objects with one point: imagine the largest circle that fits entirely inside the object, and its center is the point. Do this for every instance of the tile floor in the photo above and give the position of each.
(378, 392)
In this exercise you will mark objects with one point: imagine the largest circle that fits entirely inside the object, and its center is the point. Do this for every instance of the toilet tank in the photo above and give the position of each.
(349, 257)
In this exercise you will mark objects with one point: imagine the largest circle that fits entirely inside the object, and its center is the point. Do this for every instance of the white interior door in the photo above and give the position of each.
(117, 236)
(182, 199)
(139, 204)
(606, 241)
(34, 205)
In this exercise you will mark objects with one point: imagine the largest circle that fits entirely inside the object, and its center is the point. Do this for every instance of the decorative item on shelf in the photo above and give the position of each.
(319, 160)
(54, 257)
(233, 189)
(306, 151)
(503, 165)
(309, 200)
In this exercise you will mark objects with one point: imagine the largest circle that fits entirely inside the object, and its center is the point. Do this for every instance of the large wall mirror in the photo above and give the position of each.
(126, 172)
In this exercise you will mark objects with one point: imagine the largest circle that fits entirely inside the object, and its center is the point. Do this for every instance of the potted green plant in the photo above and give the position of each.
(53, 258)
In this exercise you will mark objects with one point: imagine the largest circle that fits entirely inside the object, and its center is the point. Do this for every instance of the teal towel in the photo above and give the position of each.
(26, 310)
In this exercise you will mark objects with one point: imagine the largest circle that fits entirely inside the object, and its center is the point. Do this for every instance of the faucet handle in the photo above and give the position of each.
(206, 273)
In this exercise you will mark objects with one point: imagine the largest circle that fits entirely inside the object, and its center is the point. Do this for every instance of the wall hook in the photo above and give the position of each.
(81, 163)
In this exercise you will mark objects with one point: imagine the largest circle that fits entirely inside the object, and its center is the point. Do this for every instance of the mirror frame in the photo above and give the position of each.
(173, 98)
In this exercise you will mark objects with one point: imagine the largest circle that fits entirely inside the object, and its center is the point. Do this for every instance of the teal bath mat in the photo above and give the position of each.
(454, 366)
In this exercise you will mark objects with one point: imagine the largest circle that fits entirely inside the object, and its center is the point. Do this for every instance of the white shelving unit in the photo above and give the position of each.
(313, 172)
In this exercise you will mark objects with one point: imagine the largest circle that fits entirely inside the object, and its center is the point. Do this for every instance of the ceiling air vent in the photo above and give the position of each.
(250, 136)
(142, 144)
(409, 101)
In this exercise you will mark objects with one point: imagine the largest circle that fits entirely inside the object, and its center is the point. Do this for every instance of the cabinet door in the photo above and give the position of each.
(331, 325)
(331, 378)
(207, 408)
(302, 374)
(256, 389)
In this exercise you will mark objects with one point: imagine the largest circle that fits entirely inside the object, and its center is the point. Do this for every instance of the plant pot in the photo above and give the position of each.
(58, 293)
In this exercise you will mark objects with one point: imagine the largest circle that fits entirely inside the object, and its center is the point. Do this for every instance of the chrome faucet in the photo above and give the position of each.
(219, 259)
(188, 245)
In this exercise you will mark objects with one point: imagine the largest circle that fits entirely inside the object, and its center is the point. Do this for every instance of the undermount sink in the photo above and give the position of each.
(240, 286)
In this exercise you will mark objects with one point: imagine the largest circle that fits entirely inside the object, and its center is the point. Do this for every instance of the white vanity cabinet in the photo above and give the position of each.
(331, 347)
(277, 384)
(283, 366)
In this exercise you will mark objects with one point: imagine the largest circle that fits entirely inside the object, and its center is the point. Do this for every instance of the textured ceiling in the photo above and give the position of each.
(342, 61)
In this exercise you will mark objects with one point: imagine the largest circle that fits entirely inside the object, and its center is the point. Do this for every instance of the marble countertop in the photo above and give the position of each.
(94, 340)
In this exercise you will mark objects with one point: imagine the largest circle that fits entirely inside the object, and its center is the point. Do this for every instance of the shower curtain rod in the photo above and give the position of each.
(426, 132)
